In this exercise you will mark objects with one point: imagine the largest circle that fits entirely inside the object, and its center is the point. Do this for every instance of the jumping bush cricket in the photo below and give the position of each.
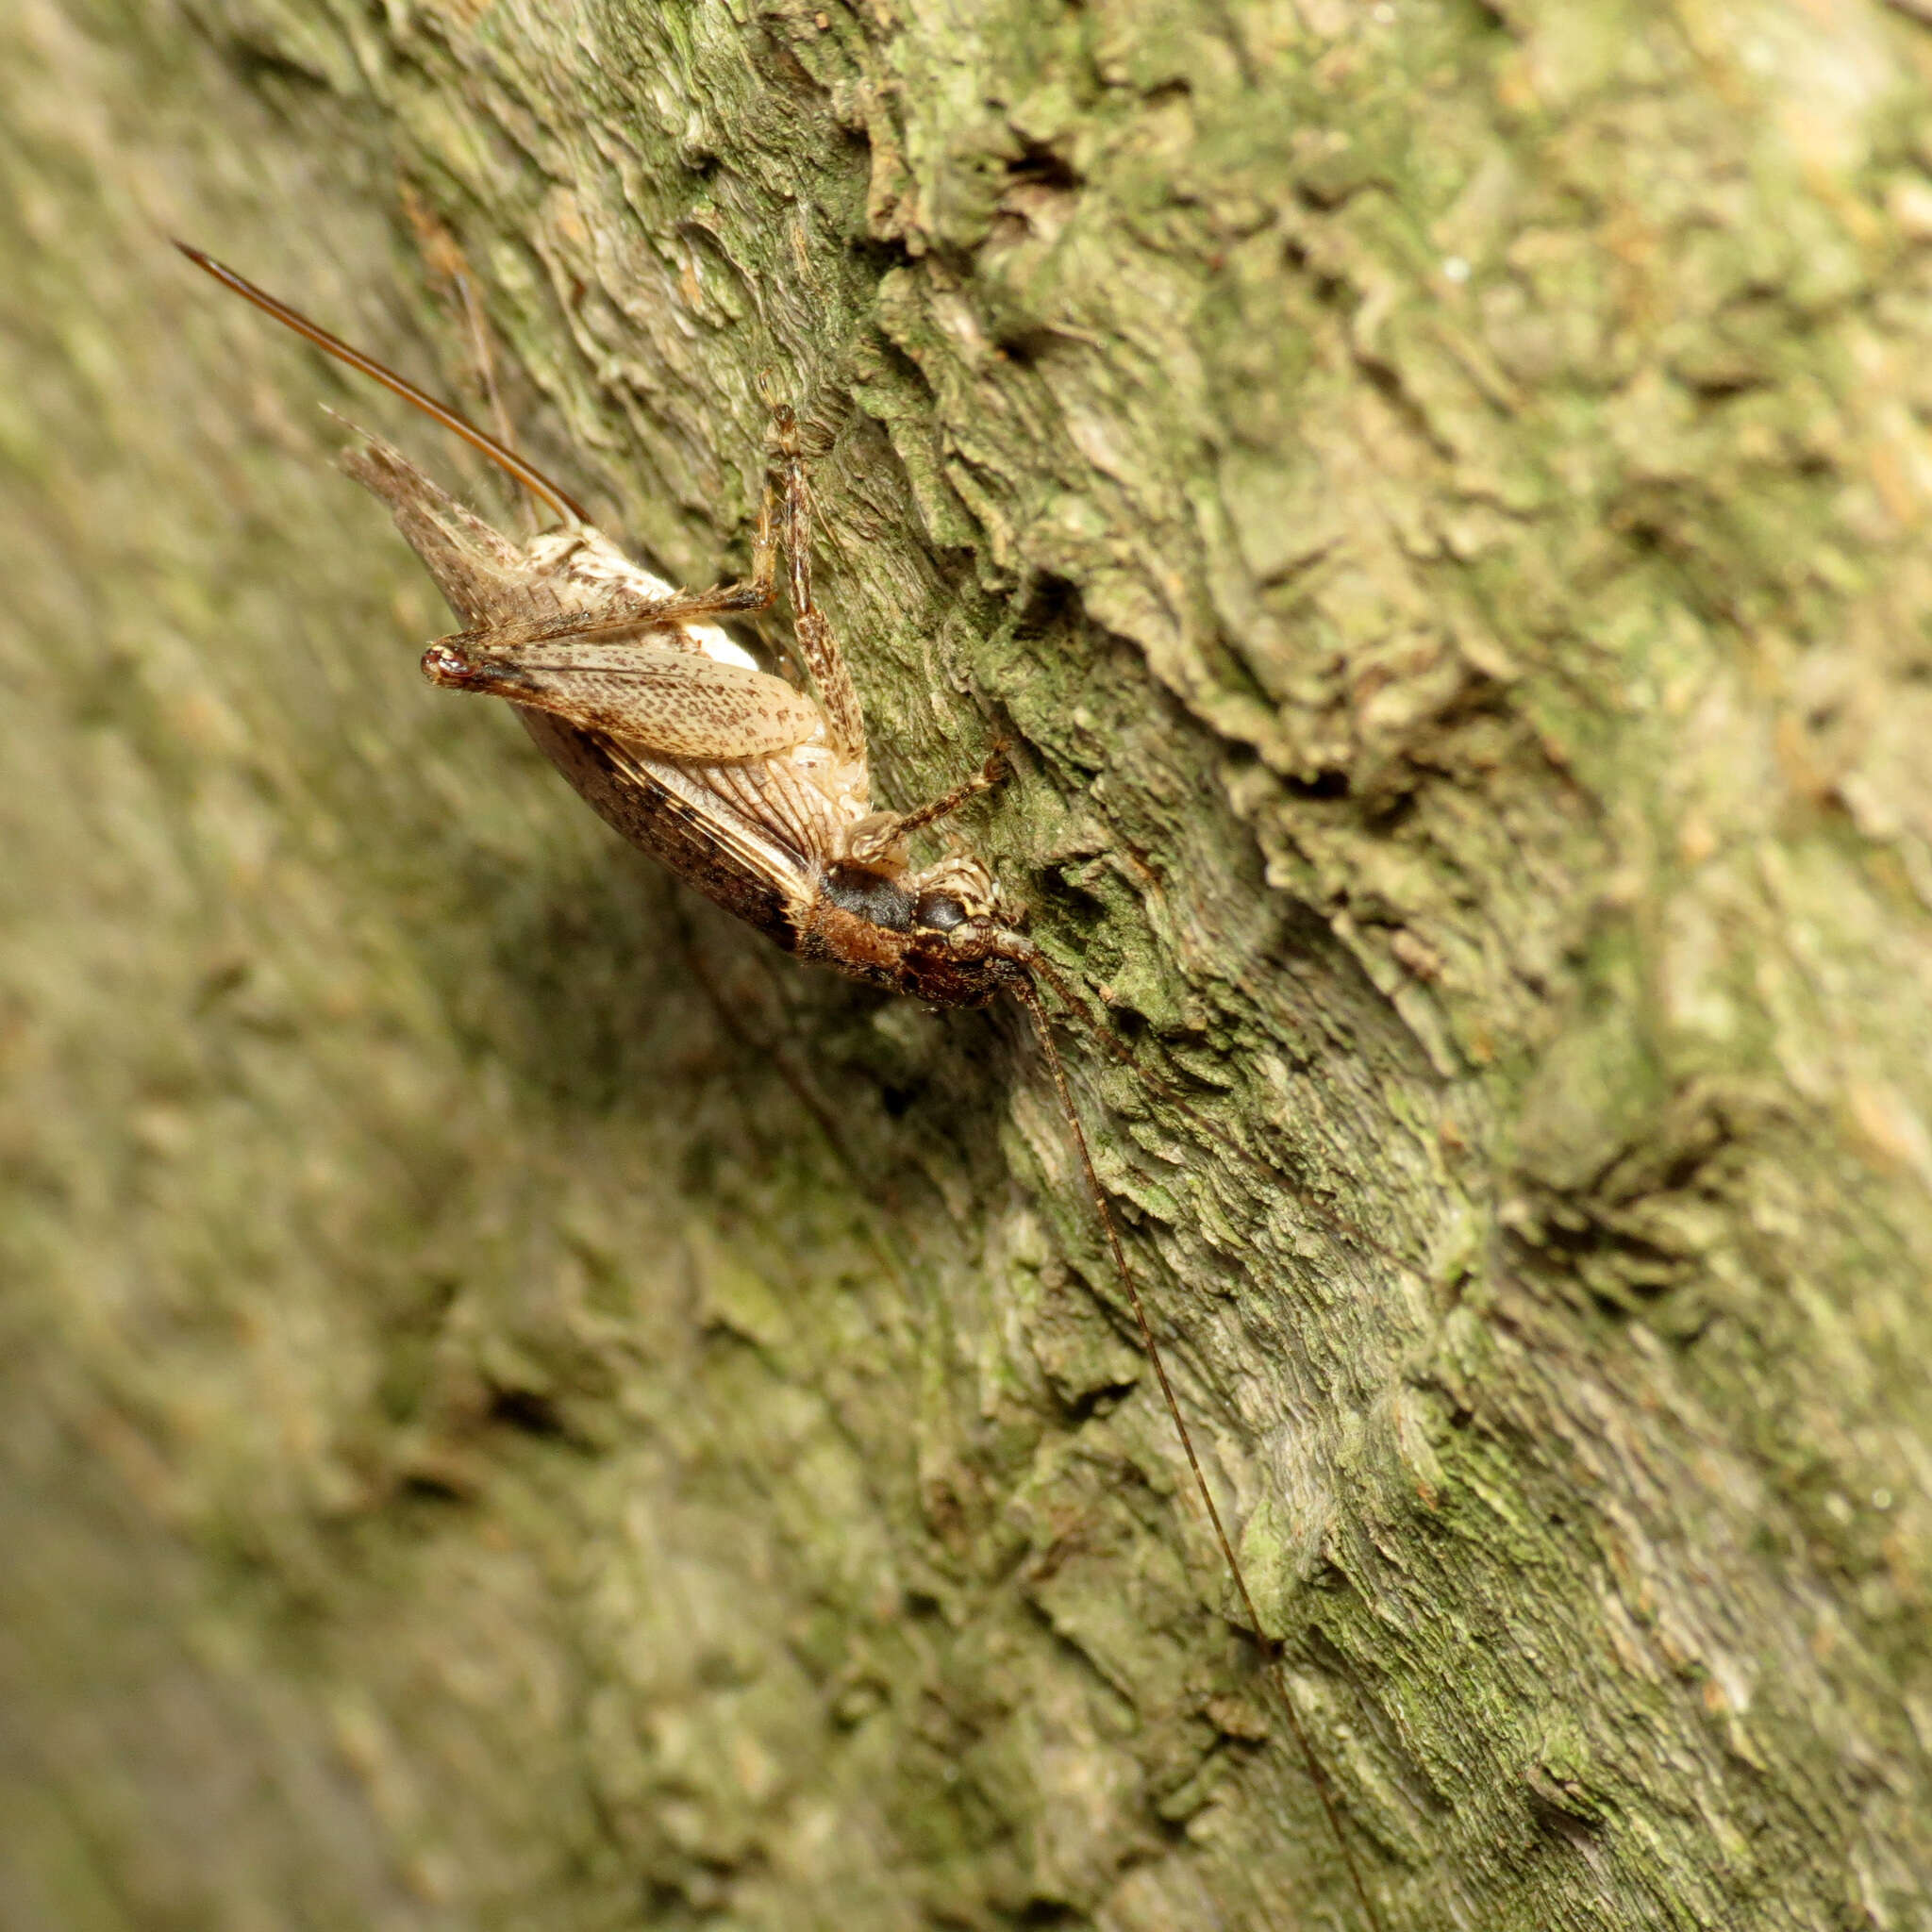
(745, 788)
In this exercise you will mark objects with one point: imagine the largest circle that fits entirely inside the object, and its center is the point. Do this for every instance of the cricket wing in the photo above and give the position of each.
(668, 811)
(487, 580)
(478, 570)
(673, 703)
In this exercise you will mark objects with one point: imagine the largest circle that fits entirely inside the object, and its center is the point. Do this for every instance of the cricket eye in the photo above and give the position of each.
(939, 911)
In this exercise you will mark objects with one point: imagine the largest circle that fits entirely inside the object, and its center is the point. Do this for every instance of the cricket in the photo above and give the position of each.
(749, 789)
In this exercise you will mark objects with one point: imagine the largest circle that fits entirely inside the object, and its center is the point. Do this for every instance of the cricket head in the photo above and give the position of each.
(943, 935)
(970, 965)
(966, 945)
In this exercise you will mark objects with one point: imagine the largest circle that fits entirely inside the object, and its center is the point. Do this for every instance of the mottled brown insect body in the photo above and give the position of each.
(739, 784)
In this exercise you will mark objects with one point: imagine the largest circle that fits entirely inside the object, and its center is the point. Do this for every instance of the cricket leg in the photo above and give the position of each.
(784, 517)
(876, 840)
(995, 771)
(754, 593)
(816, 644)
(618, 682)
(631, 615)
(493, 393)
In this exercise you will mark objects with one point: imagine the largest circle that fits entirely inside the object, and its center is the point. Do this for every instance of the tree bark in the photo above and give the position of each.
(521, 1409)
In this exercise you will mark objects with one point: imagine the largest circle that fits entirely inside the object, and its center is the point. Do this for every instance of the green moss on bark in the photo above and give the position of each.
(523, 1409)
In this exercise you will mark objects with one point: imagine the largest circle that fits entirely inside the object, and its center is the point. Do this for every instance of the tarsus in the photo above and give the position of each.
(1029, 997)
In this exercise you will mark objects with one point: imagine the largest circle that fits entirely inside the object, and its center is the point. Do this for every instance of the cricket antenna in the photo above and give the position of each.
(1029, 995)
(1040, 965)
(507, 459)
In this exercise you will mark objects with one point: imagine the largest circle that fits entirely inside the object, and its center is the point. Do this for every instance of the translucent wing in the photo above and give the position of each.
(485, 578)
(675, 702)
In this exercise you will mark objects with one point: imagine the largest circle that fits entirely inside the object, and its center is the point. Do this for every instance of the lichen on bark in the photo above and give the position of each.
(525, 1410)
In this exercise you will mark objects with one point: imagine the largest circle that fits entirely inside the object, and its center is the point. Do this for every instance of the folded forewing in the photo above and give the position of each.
(702, 836)
(675, 703)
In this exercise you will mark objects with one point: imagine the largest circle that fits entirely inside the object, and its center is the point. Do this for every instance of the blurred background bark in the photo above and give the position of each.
(520, 1408)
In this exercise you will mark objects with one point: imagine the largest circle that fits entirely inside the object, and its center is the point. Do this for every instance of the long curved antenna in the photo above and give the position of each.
(506, 459)
(1029, 995)
(492, 395)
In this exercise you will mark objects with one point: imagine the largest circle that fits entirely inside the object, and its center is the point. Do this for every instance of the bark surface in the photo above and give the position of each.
(522, 1410)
